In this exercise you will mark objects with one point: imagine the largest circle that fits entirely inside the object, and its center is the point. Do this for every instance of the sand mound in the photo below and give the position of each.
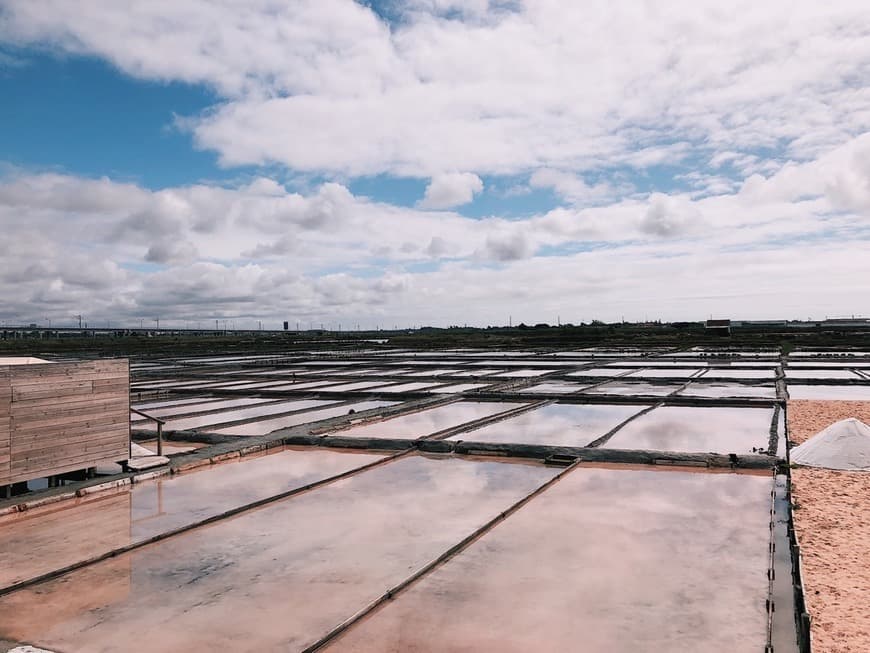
(843, 445)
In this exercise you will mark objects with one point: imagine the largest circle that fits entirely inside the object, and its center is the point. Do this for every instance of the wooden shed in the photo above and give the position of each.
(62, 417)
(718, 327)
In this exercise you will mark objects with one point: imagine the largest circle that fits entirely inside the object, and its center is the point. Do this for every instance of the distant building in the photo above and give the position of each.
(760, 323)
(718, 327)
(847, 322)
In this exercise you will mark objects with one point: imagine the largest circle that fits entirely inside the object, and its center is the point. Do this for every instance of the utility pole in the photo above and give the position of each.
(80, 320)
(157, 319)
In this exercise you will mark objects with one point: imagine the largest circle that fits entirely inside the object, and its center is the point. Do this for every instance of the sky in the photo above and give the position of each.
(432, 162)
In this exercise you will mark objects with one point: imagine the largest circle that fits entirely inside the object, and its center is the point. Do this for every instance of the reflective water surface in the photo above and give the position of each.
(432, 420)
(248, 384)
(570, 425)
(475, 372)
(554, 386)
(36, 542)
(523, 373)
(697, 429)
(359, 385)
(820, 374)
(253, 412)
(654, 373)
(630, 389)
(262, 427)
(605, 561)
(601, 371)
(830, 392)
(406, 387)
(717, 372)
(183, 409)
(274, 579)
(459, 387)
(301, 386)
(699, 389)
(171, 402)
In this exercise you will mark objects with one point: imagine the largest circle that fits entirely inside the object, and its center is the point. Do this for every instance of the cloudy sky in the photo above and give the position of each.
(433, 161)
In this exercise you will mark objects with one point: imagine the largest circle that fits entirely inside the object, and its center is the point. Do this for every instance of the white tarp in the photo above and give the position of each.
(843, 445)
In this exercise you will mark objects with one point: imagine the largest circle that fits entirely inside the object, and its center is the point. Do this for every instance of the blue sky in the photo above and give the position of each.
(432, 161)
(82, 116)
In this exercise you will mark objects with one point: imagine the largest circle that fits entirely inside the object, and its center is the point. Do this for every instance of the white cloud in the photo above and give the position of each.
(511, 246)
(670, 216)
(119, 252)
(571, 187)
(494, 87)
(849, 187)
(450, 190)
(760, 107)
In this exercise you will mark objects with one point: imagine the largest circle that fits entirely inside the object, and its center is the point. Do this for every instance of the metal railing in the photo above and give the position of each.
(160, 424)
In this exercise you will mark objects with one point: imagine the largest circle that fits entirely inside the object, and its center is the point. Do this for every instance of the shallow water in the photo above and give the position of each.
(183, 409)
(830, 392)
(358, 385)
(718, 390)
(622, 560)
(432, 420)
(570, 425)
(277, 578)
(602, 371)
(697, 429)
(262, 427)
(459, 387)
(633, 389)
(407, 387)
(38, 541)
(554, 386)
(221, 417)
(732, 373)
(656, 373)
(792, 373)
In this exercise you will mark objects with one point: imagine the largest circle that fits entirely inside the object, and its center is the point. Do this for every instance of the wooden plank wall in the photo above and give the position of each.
(64, 417)
(5, 418)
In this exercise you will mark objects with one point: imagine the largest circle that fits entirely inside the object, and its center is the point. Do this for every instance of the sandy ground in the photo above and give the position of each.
(806, 418)
(834, 535)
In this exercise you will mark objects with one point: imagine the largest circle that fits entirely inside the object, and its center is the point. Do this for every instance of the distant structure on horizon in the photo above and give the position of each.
(718, 327)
